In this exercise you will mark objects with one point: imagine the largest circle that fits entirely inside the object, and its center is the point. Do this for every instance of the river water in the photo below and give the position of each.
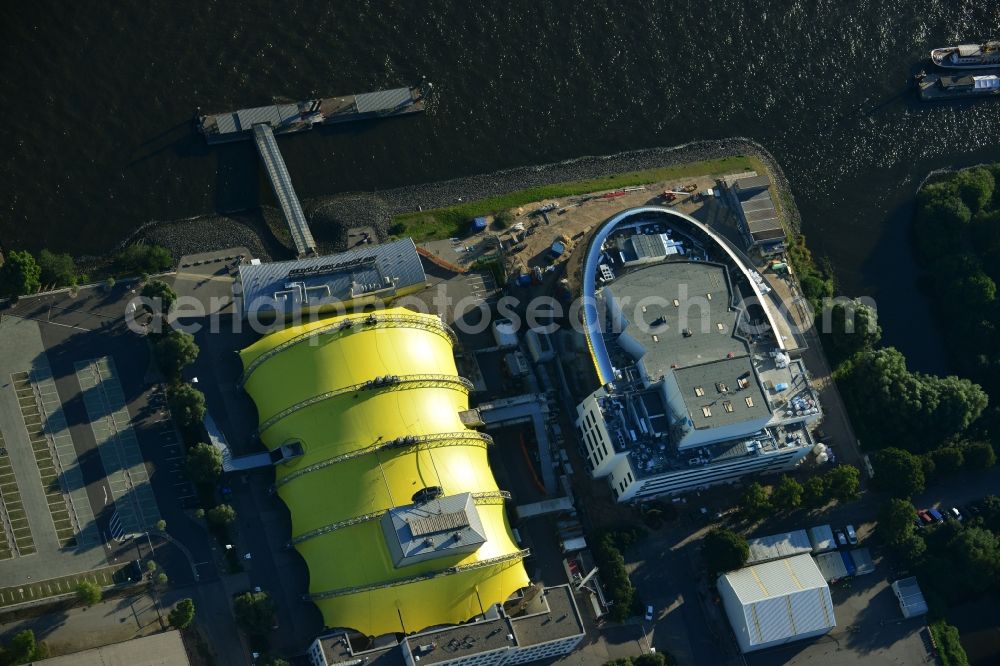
(98, 97)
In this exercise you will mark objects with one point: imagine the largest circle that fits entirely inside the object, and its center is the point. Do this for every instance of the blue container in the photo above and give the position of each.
(479, 224)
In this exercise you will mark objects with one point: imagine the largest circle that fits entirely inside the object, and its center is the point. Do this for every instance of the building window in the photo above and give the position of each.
(706, 411)
(728, 406)
(749, 401)
(699, 391)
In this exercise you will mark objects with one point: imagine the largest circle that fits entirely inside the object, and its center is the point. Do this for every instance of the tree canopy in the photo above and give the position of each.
(898, 472)
(223, 514)
(895, 521)
(980, 455)
(182, 614)
(724, 550)
(254, 612)
(187, 404)
(136, 259)
(204, 463)
(56, 269)
(161, 294)
(853, 327)
(20, 274)
(755, 502)
(787, 493)
(843, 482)
(893, 405)
(175, 351)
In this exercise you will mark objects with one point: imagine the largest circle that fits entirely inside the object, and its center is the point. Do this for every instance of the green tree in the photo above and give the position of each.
(22, 649)
(755, 502)
(88, 592)
(223, 514)
(20, 274)
(976, 187)
(814, 492)
(975, 553)
(844, 482)
(137, 259)
(853, 328)
(151, 566)
(161, 579)
(254, 613)
(724, 550)
(895, 521)
(182, 614)
(787, 493)
(109, 283)
(161, 294)
(980, 455)
(898, 472)
(947, 460)
(187, 405)
(161, 525)
(204, 463)
(275, 661)
(175, 351)
(56, 269)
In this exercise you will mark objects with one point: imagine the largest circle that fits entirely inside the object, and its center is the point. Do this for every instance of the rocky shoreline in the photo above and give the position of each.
(330, 216)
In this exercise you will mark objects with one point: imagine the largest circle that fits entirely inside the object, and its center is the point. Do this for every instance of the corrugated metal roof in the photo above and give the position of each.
(831, 565)
(781, 599)
(775, 579)
(754, 182)
(775, 546)
(339, 277)
(383, 100)
(226, 123)
(261, 114)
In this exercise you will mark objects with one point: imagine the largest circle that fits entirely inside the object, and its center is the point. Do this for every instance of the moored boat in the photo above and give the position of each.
(968, 56)
(961, 85)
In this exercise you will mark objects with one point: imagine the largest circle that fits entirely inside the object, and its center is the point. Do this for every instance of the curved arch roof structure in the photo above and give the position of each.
(369, 444)
(591, 318)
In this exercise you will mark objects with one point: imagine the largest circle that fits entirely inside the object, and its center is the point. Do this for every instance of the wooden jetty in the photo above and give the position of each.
(302, 116)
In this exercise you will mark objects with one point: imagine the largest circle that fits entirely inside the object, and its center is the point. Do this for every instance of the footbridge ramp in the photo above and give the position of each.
(281, 183)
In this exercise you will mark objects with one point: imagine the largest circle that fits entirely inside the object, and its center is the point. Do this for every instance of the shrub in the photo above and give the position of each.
(223, 514)
(20, 274)
(950, 650)
(138, 259)
(88, 592)
(182, 614)
(56, 269)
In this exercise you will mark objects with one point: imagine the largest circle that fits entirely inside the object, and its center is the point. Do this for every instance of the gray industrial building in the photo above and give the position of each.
(330, 284)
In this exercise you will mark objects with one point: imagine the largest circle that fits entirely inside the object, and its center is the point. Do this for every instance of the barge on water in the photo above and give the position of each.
(967, 85)
(302, 116)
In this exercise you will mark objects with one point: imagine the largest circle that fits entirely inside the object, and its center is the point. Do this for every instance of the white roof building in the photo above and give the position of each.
(911, 599)
(777, 602)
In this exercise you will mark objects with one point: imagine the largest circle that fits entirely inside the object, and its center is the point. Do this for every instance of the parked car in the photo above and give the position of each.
(852, 536)
(649, 613)
(956, 514)
(925, 517)
(841, 539)
(935, 514)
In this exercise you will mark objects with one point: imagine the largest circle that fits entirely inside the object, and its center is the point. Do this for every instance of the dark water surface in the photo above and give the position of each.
(97, 99)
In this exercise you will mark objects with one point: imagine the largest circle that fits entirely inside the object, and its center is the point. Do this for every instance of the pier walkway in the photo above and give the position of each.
(281, 183)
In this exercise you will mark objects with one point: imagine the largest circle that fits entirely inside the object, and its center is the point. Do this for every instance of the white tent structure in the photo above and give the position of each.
(777, 602)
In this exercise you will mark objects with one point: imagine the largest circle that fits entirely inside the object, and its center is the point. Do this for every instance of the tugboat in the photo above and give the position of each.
(968, 56)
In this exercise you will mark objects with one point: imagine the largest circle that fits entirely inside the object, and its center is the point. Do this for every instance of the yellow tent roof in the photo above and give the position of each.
(323, 384)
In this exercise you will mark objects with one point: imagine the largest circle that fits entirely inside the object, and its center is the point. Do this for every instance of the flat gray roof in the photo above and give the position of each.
(731, 393)
(706, 313)
(164, 649)
(562, 620)
(285, 286)
(776, 546)
(752, 183)
(760, 215)
(338, 650)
